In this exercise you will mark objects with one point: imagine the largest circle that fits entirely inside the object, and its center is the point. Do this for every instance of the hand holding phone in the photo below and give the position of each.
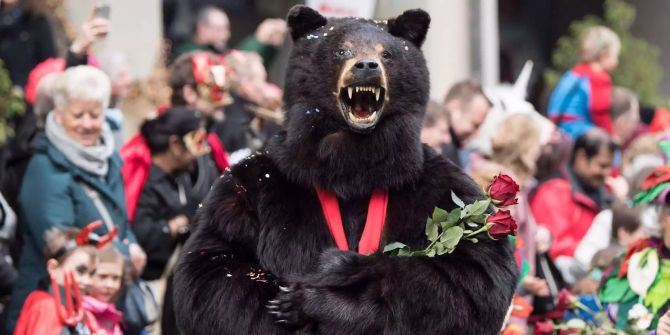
(102, 10)
(94, 29)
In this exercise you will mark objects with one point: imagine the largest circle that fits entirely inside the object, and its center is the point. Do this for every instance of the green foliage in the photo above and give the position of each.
(617, 290)
(659, 294)
(11, 104)
(639, 68)
(445, 229)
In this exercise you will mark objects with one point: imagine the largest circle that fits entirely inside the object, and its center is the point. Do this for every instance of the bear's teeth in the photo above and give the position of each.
(357, 88)
(350, 90)
(377, 92)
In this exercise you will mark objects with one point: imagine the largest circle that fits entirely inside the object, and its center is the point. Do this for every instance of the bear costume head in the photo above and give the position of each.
(355, 97)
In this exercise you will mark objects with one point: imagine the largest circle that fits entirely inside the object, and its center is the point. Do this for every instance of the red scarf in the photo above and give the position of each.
(374, 224)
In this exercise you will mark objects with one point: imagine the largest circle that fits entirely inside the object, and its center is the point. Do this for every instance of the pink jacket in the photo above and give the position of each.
(108, 317)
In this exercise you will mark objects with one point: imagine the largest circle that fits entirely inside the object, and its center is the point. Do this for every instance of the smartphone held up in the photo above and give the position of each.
(102, 10)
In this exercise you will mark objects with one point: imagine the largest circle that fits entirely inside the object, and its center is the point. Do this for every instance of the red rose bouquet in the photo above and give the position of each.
(445, 229)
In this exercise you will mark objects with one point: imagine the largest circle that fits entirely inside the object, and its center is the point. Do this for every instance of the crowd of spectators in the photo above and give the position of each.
(96, 222)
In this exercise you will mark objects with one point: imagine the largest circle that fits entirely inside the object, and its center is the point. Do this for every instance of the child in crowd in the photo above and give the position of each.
(583, 97)
(613, 229)
(625, 228)
(106, 283)
(625, 115)
(56, 306)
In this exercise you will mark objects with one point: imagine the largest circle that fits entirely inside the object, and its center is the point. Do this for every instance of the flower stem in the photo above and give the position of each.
(433, 243)
(484, 228)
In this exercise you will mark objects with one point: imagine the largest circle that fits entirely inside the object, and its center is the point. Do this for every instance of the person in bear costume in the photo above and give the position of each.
(262, 258)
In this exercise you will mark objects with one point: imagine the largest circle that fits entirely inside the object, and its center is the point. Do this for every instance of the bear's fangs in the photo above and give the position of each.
(361, 105)
(375, 90)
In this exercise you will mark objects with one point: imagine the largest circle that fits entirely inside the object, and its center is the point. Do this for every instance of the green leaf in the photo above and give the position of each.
(405, 252)
(394, 246)
(443, 250)
(472, 224)
(659, 293)
(480, 219)
(479, 207)
(432, 230)
(439, 248)
(451, 237)
(431, 253)
(457, 200)
(440, 215)
(454, 216)
(616, 290)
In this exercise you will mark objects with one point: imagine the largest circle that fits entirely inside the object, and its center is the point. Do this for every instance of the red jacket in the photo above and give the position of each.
(39, 316)
(567, 214)
(137, 163)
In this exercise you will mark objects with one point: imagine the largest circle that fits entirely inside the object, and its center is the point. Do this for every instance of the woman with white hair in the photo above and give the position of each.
(73, 178)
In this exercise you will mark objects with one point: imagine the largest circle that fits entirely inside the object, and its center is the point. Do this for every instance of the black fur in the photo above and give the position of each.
(264, 216)
(318, 147)
(302, 19)
(412, 25)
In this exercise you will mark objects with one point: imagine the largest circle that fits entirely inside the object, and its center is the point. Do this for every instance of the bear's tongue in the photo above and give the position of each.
(360, 111)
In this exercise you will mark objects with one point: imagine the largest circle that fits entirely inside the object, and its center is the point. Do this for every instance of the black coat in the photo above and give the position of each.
(234, 131)
(25, 41)
(159, 203)
(163, 198)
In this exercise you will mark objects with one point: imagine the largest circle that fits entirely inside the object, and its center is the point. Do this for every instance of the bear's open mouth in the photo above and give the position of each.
(361, 105)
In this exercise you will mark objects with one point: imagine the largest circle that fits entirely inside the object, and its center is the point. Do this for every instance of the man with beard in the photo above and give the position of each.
(467, 108)
(567, 206)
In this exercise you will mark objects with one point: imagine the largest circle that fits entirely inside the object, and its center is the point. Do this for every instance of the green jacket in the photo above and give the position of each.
(250, 43)
(51, 196)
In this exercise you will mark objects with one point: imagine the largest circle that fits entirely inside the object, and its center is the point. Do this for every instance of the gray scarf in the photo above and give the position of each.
(93, 159)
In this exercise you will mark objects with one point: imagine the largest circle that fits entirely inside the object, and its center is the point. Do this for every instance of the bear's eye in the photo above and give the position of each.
(386, 55)
(343, 53)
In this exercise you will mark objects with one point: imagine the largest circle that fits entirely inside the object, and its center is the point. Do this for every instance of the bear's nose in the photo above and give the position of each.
(366, 66)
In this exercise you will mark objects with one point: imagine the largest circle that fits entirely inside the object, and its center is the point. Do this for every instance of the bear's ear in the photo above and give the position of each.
(302, 19)
(412, 25)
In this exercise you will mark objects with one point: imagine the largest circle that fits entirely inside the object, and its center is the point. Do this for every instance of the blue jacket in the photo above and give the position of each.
(581, 101)
(51, 196)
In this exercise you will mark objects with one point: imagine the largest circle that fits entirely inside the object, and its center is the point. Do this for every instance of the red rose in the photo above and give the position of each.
(503, 225)
(503, 190)
(544, 328)
(566, 300)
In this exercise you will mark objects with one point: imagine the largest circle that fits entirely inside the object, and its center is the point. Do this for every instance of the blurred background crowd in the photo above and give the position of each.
(116, 118)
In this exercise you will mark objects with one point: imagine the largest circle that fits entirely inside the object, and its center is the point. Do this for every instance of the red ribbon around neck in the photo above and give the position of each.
(374, 224)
